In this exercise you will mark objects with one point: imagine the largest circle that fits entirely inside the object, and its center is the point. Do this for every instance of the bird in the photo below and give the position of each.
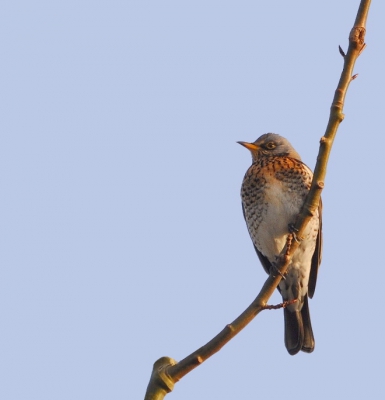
(273, 192)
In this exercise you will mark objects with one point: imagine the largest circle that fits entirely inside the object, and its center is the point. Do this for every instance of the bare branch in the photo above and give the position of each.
(166, 371)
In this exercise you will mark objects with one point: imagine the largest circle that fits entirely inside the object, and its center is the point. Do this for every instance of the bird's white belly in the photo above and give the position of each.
(280, 209)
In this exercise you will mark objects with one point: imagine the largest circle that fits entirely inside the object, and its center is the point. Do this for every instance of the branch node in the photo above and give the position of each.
(337, 107)
(320, 184)
(230, 327)
(357, 36)
(354, 77)
(338, 114)
(160, 381)
(200, 359)
(323, 140)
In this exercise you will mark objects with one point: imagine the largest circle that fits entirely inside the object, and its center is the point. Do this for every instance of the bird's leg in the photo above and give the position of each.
(274, 268)
(293, 231)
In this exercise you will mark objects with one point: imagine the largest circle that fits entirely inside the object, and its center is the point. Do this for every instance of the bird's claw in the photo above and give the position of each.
(274, 267)
(293, 230)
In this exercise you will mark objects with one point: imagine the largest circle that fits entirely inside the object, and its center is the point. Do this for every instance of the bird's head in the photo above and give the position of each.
(270, 144)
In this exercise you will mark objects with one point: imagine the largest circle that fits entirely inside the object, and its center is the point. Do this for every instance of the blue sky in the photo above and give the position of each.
(122, 233)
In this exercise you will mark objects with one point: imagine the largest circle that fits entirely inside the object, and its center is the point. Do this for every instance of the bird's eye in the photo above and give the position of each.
(270, 145)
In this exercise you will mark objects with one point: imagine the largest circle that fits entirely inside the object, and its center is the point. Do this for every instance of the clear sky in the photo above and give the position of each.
(122, 235)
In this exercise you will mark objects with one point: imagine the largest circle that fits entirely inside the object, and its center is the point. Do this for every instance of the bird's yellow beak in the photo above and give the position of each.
(249, 146)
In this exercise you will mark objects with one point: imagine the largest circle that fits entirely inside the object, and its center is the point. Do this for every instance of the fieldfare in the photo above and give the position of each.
(273, 192)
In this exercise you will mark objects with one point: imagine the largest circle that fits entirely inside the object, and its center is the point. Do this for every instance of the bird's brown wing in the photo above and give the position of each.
(266, 264)
(317, 256)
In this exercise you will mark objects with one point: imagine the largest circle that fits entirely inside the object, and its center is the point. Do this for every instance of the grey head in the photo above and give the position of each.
(270, 144)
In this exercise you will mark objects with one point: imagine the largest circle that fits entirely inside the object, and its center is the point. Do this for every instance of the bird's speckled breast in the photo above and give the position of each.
(273, 192)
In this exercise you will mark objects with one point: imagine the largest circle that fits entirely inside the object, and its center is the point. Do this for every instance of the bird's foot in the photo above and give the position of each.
(293, 231)
(280, 305)
(274, 268)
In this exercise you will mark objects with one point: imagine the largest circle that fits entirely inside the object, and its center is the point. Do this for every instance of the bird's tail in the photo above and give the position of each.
(298, 330)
